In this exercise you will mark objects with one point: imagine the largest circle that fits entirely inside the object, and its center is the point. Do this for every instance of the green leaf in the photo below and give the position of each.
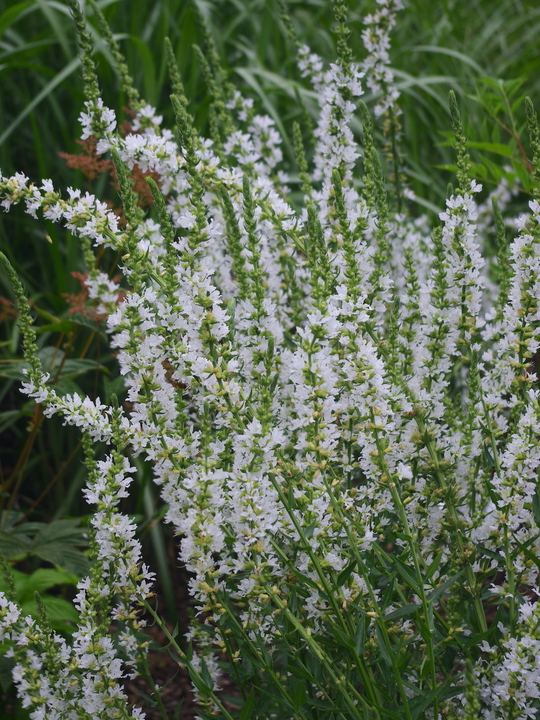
(430, 622)
(113, 387)
(206, 675)
(51, 361)
(199, 683)
(452, 53)
(342, 638)
(477, 638)
(47, 90)
(12, 546)
(58, 610)
(265, 655)
(97, 327)
(248, 75)
(178, 709)
(497, 148)
(360, 635)
(8, 17)
(532, 556)
(493, 168)
(40, 580)
(8, 418)
(322, 704)
(300, 672)
(13, 370)
(249, 706)
(72, 368)
(66, 557)
(175, 657)
(300, 696)
(305, 580)
(402, 612)
(67, 386)
(536, 505)
(148, 66)
(421, 703)
(247, 665)
(56, 542)
(479, 170)
(434, 595)
(65, 530)
(523, 175)
(404, 572)
(345, 574)
(62, 326)
(6, 668)
(205, 715)
(449, 168)
(150, 701)
(385, 654)
(433, 566)
(327, 641)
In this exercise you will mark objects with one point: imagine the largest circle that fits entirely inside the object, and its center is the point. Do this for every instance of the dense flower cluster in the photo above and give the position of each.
(83, 679)
(376, 37)
(320, 391)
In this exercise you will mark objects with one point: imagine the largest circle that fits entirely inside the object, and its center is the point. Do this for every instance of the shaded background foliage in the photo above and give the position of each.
(487, 52)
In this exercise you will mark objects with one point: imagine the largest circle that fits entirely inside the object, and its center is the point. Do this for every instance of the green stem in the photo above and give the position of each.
(412, 542)
(374, 602)
(338, 681)
(510, 574)
(369, 683)
(439, 475)
(155, 691)
(471, 580)
(184, 658)
(278, 684)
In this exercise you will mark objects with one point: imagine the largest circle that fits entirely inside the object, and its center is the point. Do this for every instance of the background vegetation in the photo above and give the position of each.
(487, 52)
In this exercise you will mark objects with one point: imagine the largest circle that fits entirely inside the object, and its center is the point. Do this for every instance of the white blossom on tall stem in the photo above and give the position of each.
(376, 66)
(83, 679)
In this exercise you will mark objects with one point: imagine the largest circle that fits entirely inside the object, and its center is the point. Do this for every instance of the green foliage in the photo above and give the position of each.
(57, 542)
(59, 611)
